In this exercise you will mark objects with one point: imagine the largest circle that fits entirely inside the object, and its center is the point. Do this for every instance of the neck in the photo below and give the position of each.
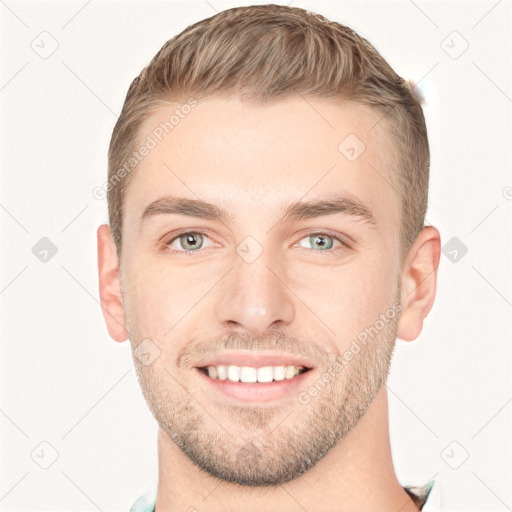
(357, 474)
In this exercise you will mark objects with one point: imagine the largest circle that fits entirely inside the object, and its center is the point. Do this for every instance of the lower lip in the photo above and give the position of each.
(257, 391)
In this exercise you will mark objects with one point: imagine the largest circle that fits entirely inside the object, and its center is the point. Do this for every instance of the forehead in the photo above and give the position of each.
(253, 160)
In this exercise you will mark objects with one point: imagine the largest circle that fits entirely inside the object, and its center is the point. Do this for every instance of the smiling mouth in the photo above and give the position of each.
(249, 374)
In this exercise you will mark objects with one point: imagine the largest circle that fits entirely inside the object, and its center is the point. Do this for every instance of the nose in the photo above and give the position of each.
(254, 298)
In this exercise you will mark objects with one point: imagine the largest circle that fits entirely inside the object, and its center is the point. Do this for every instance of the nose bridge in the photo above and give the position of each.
(254, 298)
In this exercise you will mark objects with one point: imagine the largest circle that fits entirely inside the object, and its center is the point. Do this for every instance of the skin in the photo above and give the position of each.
(332, 453)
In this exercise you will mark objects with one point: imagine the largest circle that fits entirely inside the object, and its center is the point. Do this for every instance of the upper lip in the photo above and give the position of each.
(254, 359)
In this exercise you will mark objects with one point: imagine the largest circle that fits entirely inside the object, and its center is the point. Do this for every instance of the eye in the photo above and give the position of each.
(187, 241)
(322, 242)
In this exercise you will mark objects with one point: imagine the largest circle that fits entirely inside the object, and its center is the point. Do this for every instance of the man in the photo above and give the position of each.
(267, 191)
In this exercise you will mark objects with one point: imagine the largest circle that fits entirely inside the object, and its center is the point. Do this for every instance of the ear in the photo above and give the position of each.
(418, 278)
(110, 289)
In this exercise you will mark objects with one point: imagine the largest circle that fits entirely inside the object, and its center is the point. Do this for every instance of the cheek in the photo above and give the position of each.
(149, 298)
(374, 291)
(350, 297)
(159, 295)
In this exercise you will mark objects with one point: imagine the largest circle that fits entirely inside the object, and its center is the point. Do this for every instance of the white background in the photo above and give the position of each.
(66, 383)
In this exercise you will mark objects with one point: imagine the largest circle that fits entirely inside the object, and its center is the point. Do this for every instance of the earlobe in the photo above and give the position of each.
(418, 283)
(109, 285)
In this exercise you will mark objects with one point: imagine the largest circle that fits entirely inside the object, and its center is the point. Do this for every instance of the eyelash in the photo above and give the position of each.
(167, 245)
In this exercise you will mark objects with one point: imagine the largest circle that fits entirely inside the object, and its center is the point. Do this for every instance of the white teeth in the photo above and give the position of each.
(290, 372)
(234, 373)
(265, 374)
(222, 373)
(279, 372)
(249, 374)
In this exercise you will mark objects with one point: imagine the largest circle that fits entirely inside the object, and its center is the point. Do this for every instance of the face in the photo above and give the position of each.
(287, 279)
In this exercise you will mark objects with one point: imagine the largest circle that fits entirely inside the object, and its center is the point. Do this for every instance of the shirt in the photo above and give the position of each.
(426, 498)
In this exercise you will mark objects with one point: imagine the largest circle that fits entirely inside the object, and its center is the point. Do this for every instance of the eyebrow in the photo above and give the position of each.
(170, 205)
(299, 210)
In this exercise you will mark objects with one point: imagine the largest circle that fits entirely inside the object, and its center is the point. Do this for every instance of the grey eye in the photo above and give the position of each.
(191, 241)
(319, 241)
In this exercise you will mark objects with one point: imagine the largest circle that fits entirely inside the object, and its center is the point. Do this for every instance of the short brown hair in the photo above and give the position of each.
(265, 53)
